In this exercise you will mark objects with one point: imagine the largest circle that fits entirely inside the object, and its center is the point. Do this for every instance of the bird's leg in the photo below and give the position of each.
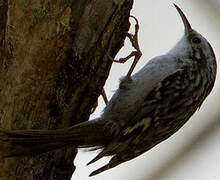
(104, 98)
(94, 107)
(136, 54)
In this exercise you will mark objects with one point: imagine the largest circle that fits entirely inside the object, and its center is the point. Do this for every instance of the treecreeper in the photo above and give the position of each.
(147, 108)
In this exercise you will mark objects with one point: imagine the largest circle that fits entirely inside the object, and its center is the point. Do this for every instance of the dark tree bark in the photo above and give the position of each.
(53, 66)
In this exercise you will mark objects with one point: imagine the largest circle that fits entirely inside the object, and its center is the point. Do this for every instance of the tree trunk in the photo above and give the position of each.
(53, 66)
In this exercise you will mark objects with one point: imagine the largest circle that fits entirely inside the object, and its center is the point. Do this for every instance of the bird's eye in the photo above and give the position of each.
(196, 40)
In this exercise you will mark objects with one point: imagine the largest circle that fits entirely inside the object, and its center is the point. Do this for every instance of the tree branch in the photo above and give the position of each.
(53, 68)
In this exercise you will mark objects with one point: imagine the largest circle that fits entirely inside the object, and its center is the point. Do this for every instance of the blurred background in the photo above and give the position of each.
(194, 151)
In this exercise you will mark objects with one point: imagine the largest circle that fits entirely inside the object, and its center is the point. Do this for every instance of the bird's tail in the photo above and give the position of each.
(30, 142)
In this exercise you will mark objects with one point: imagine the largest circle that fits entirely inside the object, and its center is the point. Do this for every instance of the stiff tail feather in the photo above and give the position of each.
(30, 142)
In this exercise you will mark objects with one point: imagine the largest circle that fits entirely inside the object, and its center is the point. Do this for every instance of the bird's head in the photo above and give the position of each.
(193, 44)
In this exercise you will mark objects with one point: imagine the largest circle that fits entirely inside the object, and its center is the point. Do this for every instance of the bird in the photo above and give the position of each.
(147, 108)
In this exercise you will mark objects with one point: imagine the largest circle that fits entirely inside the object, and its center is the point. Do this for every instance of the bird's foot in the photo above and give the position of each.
(136, 53)
(104, 98)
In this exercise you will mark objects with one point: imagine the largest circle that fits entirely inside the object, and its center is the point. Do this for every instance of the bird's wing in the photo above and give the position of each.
(131, 94)
(139, 127)
(129, 106)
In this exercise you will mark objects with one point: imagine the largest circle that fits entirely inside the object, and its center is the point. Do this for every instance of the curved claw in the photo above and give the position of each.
(111, 58)
(135, 19)
(136, 53)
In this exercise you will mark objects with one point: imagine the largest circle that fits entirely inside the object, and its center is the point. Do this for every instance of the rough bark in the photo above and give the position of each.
(53, 65)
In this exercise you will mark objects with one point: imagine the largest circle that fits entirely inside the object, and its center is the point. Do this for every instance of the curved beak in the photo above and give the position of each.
(184, 19)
